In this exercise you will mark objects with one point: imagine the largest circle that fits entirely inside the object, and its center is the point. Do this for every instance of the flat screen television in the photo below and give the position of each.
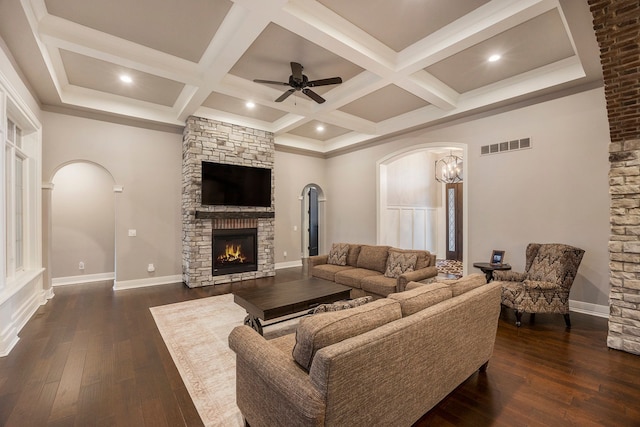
(233, 185)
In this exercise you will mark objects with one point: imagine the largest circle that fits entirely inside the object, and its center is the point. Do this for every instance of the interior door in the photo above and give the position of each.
(454, 221)
(313, 221)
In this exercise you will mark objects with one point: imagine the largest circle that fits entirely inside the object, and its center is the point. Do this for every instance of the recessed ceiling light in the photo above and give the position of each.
(494, 58)
(126, 78)
(320, 128)
(250, 104)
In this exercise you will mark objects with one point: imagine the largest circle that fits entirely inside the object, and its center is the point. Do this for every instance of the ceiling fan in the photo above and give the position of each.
(300, 82)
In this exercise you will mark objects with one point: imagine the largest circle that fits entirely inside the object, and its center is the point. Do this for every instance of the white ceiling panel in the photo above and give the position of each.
(383, 104)
(318, 130)
(400, 23)
(102, 76)
(230, 104)
(181, 28)
(533, 44)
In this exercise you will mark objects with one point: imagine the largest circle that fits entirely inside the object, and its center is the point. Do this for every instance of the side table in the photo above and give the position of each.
(488, 268)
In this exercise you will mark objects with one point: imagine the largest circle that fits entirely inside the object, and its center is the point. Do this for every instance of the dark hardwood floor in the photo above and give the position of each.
(92, 356)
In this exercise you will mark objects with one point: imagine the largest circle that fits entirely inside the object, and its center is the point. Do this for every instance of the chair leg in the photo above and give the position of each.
(567, 320)
(484, 366)
(532, 318)
(518, 318)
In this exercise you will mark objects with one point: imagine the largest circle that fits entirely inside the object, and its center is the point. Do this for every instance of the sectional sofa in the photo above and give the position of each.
(384, 363)
(373, 269)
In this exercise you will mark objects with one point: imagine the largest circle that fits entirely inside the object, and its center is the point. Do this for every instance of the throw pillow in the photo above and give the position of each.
(399, 263)
(338, 254)
(341, 305)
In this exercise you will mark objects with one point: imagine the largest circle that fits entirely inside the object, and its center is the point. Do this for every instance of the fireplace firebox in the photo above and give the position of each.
(235, 251)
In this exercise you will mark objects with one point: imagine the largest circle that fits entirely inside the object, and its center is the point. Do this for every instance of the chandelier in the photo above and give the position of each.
(449, 169)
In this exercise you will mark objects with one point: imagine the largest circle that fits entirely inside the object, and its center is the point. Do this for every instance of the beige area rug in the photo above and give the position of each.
(196, 333)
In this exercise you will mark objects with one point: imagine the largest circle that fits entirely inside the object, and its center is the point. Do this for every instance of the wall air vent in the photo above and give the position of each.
(501, 147)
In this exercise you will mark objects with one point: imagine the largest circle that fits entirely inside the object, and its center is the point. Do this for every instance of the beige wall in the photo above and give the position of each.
(555, 192)
(147, 164)
(410, 181)
(292, 173)
(83, 221)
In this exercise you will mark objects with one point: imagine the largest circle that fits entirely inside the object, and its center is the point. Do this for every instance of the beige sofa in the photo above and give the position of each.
(373, 270)
(384, 363)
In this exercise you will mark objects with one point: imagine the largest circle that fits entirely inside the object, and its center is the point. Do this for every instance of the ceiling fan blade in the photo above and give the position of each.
(296, 71)
(271, 82)
(285, 95)
(324, 82)
(311, 94)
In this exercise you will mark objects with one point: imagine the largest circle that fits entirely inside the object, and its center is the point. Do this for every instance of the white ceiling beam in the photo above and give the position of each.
(429, 88)
(238, 31)
(320, 25)
(118, 105)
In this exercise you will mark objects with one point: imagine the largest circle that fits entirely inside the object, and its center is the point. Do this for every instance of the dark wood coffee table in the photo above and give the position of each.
(283, 299)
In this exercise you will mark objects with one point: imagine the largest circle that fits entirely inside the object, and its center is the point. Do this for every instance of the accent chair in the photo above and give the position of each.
(544, 286)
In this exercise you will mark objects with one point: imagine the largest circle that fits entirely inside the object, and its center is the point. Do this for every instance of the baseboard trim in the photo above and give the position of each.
(84, 278)
(590, 309)
(288, 264)
(143, 283)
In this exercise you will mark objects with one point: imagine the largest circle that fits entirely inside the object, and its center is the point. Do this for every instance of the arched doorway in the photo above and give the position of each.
(82, 218)
(412, 205)
(313, 211)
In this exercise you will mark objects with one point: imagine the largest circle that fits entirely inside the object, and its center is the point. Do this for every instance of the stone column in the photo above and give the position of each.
(617, 27)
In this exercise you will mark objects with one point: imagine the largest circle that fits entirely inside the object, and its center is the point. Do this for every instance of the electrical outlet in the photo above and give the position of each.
(132, 233)
(81, 266)
(151, 268)
(285, 254)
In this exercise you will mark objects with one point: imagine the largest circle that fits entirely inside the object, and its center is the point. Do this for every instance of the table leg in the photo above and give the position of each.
(488, 274)
(253, 322)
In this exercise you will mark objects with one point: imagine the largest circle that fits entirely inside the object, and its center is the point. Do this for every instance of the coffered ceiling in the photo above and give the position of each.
(405, 64)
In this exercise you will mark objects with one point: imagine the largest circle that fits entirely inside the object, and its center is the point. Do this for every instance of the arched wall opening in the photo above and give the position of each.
(82, 224)
(307, 207)
(411, 203)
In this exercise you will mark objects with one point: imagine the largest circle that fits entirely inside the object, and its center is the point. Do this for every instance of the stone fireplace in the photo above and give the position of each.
(213, 232)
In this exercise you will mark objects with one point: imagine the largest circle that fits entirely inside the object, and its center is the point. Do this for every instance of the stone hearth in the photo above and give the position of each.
(213, 141)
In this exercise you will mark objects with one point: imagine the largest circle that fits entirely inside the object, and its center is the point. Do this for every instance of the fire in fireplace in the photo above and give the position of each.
(235, 251)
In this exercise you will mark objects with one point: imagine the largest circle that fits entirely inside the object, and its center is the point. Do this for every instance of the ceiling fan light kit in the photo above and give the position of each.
(300, 82)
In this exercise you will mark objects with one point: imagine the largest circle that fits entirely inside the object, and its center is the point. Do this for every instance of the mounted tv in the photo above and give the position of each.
(233, 185)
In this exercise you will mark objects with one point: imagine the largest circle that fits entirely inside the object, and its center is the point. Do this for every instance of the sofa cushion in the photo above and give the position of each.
(373, 258)
(379, 285)
(342, 305)
(325, 329)
(328, 271)
(423, 257)
(399, 263)
(338, 254)
(354, 252)
(422, 297)
(466, 283)
(353, 276)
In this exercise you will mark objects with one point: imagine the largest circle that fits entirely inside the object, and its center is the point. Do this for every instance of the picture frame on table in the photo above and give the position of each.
(497, 257)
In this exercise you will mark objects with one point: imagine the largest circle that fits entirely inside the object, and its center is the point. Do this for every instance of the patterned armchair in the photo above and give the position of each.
(544, 286)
